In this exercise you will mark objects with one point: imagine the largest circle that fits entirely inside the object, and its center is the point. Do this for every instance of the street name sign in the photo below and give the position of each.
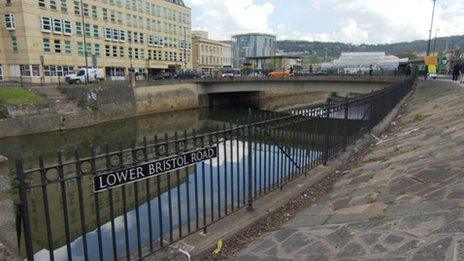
(105, 181)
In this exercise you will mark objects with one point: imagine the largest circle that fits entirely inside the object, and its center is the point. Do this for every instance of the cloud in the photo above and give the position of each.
(352, 21)
(385, 21)
(222, 18)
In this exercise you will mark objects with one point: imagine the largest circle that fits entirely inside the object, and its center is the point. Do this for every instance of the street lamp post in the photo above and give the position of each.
(85, 44)
(435, 41)
(431, 28)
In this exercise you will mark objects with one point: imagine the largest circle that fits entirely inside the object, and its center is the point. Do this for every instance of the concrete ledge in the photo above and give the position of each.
(240, 221)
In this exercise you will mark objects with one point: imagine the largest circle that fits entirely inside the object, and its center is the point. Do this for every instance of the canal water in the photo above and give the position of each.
(193, 194)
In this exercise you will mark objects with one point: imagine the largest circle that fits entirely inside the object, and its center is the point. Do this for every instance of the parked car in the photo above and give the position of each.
(164, 76)
(281, 74)
(227, 72)
(94, 75)
(188, 75)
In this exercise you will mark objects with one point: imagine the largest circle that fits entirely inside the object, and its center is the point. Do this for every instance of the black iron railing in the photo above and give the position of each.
(62, 217)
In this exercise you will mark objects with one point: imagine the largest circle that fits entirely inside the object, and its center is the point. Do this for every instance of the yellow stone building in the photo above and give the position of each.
(210, 56)
(41, 40)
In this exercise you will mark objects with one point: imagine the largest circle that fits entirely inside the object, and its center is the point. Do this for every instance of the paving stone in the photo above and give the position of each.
(305, 220)
(371, 239)
(393, 239)
(391, 258)
(460, 250)
(418, 208)
(347, 218)
(342, 203)
(295, 242)
(407, 247)
(316, 248)
(378, 248)
(281, 235)
(455, 227)
(434, 175)
(266, 244)
(340, 237)
(368, 225)
(353, 249)
(434, 251)
(317, 258)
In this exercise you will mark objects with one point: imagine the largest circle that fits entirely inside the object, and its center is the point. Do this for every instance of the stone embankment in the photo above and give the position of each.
(402, 200)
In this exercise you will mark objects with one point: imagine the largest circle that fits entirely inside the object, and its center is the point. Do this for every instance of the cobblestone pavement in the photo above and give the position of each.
(404, 200)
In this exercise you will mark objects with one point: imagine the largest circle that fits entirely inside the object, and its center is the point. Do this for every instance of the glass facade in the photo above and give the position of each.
(252, 45)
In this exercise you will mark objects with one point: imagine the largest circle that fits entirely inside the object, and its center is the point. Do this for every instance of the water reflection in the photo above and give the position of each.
(207, 185)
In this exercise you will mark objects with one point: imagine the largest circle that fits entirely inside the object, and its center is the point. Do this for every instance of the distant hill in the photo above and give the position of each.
(315, 51)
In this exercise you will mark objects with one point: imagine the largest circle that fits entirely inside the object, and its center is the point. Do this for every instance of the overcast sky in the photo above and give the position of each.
(351, 21)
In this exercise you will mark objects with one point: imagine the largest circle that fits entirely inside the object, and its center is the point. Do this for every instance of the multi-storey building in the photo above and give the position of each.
(41, 40)
(252, 45)
(209, 56)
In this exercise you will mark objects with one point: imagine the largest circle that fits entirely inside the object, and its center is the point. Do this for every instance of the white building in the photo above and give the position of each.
(363, 61)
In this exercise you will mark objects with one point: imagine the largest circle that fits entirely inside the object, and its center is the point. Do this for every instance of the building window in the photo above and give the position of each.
(130, 52)
(77, 8)
(57, 26)
(136, 53)
(96, 31)
(59, 70)
(46, 24)
(107, 51)
(141, 38)
(129, 36)
(80, 48)
(25, 69)
(115, 51)
(41, 3)
(116, 35)
(64, 6)
(94, 12)
(78, 28)
(142, 54)
(46, 45)
(108, 35)
(67, 27)
(35, 70)
(85, 9)
(97, 49)
(67, 47)
(122, 36)
(53, 4)
(9, 21)
(88, 49)
(121, 51)
(14, 44)
(57, 44)
(105, 14)
(87, 30)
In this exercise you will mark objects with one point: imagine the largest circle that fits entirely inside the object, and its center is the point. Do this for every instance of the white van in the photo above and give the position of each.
(95, 75)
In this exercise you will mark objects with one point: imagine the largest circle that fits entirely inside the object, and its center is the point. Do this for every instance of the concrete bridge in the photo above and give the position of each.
(339, 84)
(180, 95)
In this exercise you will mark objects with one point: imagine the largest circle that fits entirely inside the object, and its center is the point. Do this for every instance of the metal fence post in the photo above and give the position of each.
(327, 118)
(345, 127)
(250, 165)
(23, 210)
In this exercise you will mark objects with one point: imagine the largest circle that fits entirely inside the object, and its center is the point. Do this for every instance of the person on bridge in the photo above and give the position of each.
(456, 71)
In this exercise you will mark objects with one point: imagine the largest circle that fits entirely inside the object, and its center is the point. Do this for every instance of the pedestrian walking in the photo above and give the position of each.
(462, 73)
(371, 69)
(456, 71)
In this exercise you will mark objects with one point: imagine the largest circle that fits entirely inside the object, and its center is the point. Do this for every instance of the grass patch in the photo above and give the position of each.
(379, 216)
(11, 95)
(419, 118)
(371, 200)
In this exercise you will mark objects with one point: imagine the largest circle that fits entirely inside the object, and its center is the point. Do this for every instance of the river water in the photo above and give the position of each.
(210, 182)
